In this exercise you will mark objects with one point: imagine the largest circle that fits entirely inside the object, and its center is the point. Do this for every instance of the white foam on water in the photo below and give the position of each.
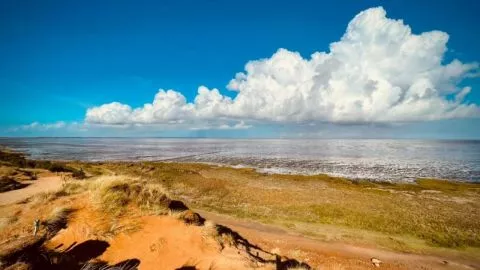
(396, 160)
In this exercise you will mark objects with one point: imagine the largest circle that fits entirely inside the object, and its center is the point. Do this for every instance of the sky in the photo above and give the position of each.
(327, 69)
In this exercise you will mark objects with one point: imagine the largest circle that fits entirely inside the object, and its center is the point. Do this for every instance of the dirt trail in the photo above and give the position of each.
(42, 184)
(335, 254)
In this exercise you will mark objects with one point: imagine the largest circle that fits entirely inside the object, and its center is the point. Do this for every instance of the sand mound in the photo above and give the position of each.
(80, 235)
(157, 242)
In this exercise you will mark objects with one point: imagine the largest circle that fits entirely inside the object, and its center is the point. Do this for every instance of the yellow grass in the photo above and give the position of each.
(115, 193)
(407, 216)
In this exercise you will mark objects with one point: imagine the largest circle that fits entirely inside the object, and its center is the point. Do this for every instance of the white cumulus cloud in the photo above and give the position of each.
(239, 125)
(379, 72)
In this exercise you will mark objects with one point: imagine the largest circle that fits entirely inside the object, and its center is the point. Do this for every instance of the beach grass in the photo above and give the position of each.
(416, 216)
(114, 193)
(435, 212)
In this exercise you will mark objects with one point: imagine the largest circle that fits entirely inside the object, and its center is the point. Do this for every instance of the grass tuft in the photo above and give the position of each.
(435, 212)
(114, 194)
(57, 220)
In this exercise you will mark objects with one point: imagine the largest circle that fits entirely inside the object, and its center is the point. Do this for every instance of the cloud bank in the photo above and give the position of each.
(379, 72)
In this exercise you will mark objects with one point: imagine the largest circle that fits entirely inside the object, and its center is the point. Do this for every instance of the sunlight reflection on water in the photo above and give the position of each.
(368, 159)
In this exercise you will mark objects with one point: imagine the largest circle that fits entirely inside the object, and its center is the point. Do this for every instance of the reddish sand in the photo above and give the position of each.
(42, 184)
(164, 242)
(158, 242)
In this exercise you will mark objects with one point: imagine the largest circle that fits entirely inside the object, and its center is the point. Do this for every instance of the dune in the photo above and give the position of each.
(137, 216)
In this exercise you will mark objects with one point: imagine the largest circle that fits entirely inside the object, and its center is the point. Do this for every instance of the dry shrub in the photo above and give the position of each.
(151, 196)
(7, 183)
(191, 218)
(57, 220)
(113, 199)
(74, 187)
(221, 234)
(227, 239)
(114, 193)
(209, 229)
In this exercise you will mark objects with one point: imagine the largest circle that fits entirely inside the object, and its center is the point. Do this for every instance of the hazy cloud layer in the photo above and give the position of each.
(36, 126)
(379, 72)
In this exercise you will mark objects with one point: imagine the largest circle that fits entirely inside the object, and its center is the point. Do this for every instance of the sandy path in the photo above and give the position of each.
(42, 184)
(325, 253)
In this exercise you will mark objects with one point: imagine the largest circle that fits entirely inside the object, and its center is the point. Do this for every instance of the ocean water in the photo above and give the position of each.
(394, 160)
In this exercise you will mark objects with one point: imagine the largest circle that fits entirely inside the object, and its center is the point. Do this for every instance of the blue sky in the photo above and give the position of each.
(60, 58)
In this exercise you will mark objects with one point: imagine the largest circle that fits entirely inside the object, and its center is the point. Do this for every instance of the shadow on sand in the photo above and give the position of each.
(75, 258)
(254, 252)
(260, 255)
(30, 250)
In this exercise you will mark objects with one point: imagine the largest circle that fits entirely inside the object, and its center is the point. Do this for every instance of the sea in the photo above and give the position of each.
(372, 159)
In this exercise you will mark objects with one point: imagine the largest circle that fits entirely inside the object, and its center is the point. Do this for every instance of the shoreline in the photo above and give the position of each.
(262, 170)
